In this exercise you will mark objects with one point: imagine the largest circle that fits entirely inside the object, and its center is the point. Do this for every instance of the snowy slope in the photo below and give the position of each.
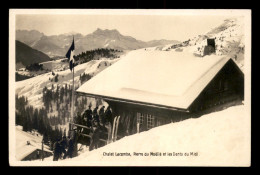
(229, 40)
(32, 88)
(56, 65)
(21, 138)
(220, 139)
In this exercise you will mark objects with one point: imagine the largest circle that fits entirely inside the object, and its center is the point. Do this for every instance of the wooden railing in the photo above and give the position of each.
(89, 136)
(86, 135)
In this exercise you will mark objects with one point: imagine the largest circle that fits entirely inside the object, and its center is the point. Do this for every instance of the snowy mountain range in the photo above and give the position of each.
(57, 45)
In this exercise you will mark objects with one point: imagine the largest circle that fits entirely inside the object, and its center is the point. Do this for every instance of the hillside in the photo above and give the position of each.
(25, 55)
(229, 41)
(162, 42)
(57, 45)
(32, 88)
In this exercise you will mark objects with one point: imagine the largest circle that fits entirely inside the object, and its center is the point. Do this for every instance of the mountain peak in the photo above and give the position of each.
(105, 31)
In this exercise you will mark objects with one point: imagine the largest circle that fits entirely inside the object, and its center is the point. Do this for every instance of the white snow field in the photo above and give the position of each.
(217, 139)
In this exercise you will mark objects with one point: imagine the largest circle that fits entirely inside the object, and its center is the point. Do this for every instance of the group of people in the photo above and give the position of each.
(101, 116)
(99, 121)
(63, 148)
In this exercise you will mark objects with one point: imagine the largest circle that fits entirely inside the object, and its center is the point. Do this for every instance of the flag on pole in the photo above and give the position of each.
(70, 55)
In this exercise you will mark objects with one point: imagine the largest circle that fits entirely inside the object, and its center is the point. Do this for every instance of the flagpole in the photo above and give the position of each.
(72, 109)
(70, 56)
(72, 101)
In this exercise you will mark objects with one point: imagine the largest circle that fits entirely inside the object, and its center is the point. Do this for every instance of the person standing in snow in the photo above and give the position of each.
(95, 136)
(70, 147)
(108, 115)
(88, 115)
(102, 115)
(63, 145)
(56, 150)
(95, 114)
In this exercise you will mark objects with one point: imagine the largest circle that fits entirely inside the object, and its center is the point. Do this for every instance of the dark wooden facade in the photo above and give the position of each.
(225, 89)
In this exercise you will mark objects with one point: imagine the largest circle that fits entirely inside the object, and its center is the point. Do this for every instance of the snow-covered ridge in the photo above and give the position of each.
(229, 40)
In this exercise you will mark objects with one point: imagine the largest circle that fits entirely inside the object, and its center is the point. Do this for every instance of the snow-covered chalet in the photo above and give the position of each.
(158, 87)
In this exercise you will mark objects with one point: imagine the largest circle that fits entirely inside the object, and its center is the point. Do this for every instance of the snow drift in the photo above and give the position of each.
(220, 139)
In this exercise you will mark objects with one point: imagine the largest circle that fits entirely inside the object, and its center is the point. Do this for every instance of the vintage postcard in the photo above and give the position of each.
(106, 87)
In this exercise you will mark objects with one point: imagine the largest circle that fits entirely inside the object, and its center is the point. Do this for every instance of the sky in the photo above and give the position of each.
(141, 27)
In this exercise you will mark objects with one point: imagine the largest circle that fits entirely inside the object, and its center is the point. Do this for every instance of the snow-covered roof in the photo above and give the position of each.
(164, 78)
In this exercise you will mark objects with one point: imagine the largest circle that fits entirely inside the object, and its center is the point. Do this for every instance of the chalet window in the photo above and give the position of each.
(140, 118)
(150, 121)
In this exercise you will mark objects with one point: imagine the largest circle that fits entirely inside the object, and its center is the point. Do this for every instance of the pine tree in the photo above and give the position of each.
(66, 89)
(61, 94)
(35, 119)
(56, 94)
(58, 106)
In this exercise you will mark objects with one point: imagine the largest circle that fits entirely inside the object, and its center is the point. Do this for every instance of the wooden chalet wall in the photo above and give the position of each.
(225, 88)
(128, 116)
